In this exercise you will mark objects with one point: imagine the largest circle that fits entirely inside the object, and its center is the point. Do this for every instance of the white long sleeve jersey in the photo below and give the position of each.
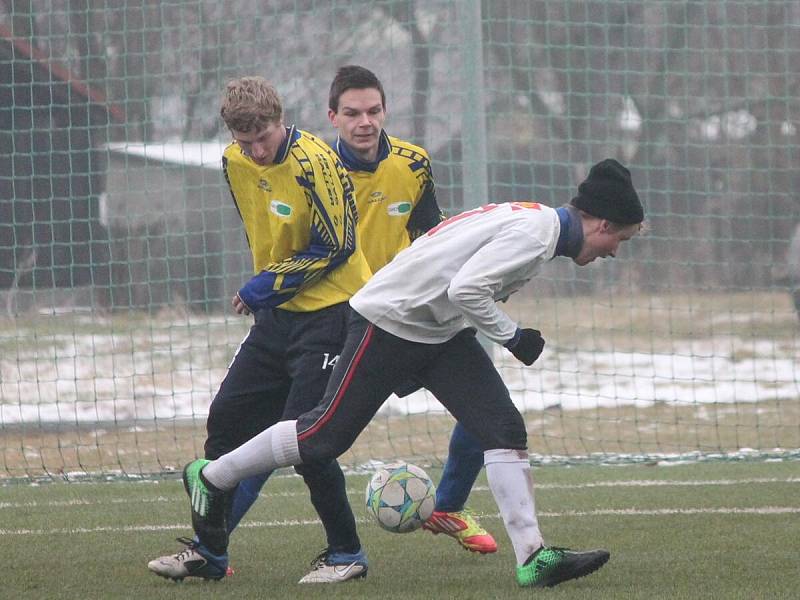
(451, 278)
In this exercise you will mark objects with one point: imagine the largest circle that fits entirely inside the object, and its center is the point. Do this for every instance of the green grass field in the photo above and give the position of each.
(705, 530)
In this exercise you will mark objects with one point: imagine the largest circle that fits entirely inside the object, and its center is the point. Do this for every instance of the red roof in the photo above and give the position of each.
(60, 73)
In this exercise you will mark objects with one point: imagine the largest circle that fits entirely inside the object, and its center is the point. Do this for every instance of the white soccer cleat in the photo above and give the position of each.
(336, 567)
(189, 562)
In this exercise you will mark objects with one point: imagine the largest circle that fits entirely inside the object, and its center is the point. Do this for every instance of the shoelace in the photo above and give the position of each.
(469, 514)
(186, 552)
(464, 514)
(320, 560)
(555, 550)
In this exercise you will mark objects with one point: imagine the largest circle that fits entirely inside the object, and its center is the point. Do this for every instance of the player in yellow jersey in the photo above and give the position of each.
(298, 210)
(396, 200)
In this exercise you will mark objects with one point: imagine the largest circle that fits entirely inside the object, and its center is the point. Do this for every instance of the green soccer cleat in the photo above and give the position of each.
(210, 508)
(549, 566)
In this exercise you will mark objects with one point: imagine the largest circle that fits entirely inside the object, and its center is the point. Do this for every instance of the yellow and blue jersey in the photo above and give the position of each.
(299, 215)
(395, 195)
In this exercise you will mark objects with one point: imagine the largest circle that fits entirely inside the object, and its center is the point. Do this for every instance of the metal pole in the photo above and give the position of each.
(473, 107)
(473, 117)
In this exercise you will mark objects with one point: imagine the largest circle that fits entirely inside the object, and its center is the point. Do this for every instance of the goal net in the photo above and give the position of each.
(120, 247)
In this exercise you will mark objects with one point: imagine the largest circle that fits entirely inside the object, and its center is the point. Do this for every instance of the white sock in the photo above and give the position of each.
(511, 482)
(271, 449)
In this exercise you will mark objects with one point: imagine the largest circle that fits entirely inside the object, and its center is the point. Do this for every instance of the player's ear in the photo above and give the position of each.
(332, 117)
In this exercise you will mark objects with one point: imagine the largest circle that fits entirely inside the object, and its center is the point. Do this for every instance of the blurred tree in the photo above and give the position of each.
(584, 68)
(698, 97)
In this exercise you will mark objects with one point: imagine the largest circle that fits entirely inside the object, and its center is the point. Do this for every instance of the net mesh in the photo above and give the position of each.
(120, 247)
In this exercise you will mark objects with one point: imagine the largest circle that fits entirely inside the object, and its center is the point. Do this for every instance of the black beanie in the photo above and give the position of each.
(608, 193)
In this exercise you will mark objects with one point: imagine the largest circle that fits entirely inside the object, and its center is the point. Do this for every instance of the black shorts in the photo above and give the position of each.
(374, 363)
(280, 371)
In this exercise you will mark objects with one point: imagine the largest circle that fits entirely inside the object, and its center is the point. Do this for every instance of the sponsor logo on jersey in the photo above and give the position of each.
(376, 197)
(264, 185)
(280, 208)
(398, 209)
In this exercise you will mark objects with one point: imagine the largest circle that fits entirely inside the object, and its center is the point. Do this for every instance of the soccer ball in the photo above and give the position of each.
(401, 497)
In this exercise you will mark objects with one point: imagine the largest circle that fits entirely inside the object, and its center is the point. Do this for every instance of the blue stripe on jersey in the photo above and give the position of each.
(292, 135)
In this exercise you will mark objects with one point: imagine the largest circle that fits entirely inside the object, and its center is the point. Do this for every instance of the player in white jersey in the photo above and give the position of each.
(418, 316)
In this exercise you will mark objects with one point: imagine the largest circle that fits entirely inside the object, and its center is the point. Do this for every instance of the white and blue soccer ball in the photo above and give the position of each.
(401, 497)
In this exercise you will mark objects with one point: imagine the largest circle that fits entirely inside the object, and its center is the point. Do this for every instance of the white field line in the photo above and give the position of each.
(765, 510)
(662, 482)
(625, 512)
(477, 488)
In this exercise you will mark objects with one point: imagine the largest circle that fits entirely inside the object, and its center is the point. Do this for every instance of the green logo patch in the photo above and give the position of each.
(280, 208)
(398, 209)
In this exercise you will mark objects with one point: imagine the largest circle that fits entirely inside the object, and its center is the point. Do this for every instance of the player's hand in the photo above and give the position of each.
(526, 347)
(239, 306)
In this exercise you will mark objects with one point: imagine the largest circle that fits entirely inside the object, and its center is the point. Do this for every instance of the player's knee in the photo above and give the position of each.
(219, 439)
(220, 417)
(312, 454)
(322, 471)
(506, 434)
(314, 451)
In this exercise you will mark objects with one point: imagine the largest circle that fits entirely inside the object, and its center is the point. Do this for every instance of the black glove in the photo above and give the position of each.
(526, 345)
